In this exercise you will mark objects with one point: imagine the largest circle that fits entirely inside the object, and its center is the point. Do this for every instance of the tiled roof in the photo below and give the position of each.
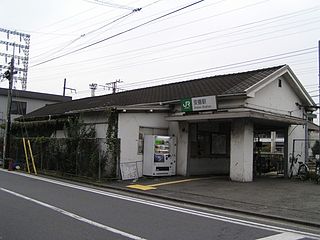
(35, 95)
(235, 83)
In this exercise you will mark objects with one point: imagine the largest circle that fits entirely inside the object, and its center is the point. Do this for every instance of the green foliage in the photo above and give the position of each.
(112, 141)
(37, 128)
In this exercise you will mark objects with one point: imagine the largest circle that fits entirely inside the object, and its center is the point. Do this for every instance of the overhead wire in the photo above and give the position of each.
(234, 33)
(75, 32)
(118, 34)
(113, 5)
(90, 32)
(179, 55)
(198, 20)
(242, 63)
(225, 67)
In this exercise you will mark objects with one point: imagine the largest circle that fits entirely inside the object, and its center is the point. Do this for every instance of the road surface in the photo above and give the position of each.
(39, 208)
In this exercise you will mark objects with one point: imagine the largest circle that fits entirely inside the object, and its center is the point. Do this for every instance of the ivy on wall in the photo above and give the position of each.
(112, 141)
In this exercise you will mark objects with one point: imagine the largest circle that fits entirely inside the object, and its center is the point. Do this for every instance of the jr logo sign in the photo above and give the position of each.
(186, 105)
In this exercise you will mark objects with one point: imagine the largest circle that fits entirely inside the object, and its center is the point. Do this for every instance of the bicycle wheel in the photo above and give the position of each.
(303, 172)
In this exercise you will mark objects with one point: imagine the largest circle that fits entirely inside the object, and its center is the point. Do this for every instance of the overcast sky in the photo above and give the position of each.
(211, 37)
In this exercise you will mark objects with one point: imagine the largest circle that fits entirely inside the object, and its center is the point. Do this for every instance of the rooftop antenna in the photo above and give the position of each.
(93, 87)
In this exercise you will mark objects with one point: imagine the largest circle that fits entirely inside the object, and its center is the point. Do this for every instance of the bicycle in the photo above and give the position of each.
(317, 171)
(302, 170)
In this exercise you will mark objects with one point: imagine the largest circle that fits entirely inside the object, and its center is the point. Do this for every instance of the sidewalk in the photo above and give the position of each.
(278, 198)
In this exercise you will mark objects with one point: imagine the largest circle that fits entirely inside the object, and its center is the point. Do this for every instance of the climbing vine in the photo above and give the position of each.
(112, 141)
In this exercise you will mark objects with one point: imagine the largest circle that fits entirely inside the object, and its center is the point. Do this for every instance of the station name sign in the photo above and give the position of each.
(199, 104)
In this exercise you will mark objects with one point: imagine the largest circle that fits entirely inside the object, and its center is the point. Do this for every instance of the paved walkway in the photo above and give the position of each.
(279, 198)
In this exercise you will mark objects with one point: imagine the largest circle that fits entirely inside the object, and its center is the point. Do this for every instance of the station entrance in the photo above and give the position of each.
(269, 152)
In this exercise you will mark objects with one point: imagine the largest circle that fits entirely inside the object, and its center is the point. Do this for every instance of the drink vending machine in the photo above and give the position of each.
(159, 158)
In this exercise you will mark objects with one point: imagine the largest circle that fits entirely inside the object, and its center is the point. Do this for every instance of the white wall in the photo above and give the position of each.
(99, 119)
(128, 133)
(276, 99)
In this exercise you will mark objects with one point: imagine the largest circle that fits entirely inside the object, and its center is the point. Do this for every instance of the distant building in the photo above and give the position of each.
(24, 102)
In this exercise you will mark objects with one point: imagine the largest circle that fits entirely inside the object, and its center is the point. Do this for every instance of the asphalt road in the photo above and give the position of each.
(37, 208)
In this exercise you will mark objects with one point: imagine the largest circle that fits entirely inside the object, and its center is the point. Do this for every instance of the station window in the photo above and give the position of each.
(210, 139)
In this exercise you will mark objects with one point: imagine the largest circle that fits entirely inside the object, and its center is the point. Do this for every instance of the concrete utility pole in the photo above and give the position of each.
(65, 87)
(114, 85)
(6, 140)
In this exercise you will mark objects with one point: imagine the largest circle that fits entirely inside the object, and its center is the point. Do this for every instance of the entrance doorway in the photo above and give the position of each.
(269, 153)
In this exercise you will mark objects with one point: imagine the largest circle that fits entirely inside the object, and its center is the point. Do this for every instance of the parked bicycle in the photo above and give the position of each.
(317, 171)
(300, 170)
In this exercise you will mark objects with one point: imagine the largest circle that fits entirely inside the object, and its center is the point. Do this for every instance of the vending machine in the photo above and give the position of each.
(159, 158)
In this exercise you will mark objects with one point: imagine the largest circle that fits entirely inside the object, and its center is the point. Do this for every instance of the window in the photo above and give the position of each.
(279, 83)
(18, 108)
(210, 139)
(149, 131)
(218, 143)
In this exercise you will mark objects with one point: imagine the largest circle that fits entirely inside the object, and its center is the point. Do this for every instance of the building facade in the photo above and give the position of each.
(24, 102)
(214, 119)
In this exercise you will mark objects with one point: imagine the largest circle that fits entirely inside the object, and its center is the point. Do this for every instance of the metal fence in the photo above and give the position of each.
(307, 151)
(86, 158)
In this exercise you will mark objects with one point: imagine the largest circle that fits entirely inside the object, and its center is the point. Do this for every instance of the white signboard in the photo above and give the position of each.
(129, 171)
(204, 103)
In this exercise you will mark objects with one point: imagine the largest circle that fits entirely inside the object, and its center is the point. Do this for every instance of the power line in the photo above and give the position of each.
(108, 4)
(122, 66)
(218, 68)
(260, 22)
(92, 31)
(224, 67)
(206, 49)
(249, 62)
(118, 34)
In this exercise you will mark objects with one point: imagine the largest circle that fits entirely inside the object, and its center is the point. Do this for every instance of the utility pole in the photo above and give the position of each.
(6, 140)
(114, 85)
(65, 87)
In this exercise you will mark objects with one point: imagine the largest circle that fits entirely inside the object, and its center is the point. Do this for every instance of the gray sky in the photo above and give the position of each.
(209, 38)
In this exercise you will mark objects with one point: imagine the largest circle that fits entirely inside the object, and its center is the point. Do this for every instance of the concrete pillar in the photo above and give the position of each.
(273, 141)
(241, 156)
(183, 149)
(286, 153)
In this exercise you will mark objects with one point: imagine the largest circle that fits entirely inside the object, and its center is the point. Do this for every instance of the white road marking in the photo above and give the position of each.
(169, 207)
(75, 216)
(284, 236)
